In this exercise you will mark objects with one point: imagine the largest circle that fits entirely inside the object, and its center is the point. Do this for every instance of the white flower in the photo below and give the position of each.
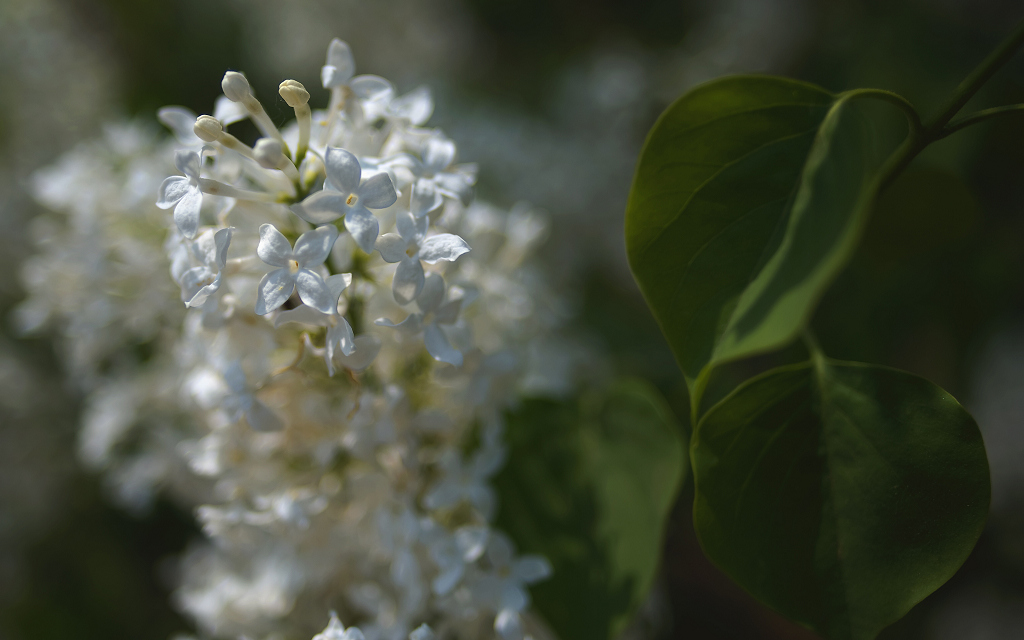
(199, 283)
(434, 311)
(467, 481)
(183, 193)
(311, 249)
(336, 631)
(438, 178)
(340, 339)
(504, 588)
(409, 246)
(346, 194)
(452, 553)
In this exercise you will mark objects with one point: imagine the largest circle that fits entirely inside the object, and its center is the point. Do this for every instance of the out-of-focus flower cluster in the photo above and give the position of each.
(330, 395)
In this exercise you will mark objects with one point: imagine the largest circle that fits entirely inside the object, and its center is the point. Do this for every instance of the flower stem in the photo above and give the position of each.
(975, 81)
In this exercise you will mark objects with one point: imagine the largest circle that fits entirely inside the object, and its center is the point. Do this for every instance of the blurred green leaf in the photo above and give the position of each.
(590, 485)
(839, 494)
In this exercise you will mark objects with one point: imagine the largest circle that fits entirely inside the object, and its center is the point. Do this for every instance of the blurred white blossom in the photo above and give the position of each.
(346, 241)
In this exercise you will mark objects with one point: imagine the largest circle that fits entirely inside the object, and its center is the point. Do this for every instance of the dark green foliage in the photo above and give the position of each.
(840, 494)
(590, 485)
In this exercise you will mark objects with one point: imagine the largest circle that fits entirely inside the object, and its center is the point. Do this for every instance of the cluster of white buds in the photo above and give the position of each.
(347, 243)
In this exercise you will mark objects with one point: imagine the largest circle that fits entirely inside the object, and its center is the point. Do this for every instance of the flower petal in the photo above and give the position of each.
(228, 112)
(472, 542)
(411, 228)
(366, 349)
(188, 163)
(342, 170)
(509, 625)
(433, 293)
(172, 190)
(193, 280)
(514, 597)
(274, 248)
(313, 291)
(204, 294)
(338, 283)
(408, 280)
(274, 289)
(440, 153)
(415, 106)
(392, 247)
(180, 121)
(454, 185)
(530, 569)
(411, 324)
(368, 87)
(438, 346)
(340, 65)
(425, 197)
(377, 191)
(322, 207)
(422, 632)
(222, 239)
(186, 212)
(447, 579)
(444, 246)
(340, 335)
(363, 226)
(313, 247)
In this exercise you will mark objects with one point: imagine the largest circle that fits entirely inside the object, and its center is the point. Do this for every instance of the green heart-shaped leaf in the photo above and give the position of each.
(589, 485)
(839, 494)
(749, 196)
(713, 182)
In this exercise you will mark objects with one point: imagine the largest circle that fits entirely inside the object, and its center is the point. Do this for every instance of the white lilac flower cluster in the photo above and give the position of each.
(330, 397)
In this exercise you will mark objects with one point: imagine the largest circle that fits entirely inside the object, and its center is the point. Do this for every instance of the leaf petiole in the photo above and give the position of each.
(913, 117)
(981, 116)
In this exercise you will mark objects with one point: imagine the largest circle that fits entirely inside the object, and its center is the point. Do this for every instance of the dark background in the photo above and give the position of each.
(553, 98)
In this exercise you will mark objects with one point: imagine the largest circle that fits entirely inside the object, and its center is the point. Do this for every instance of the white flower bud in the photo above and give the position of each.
(208, 128)
(294, 93)
(268, 152)
(235, 86)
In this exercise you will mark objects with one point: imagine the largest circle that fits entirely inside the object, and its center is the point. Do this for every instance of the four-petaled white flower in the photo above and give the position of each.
(183, 193)
(295, 269)
(438, 178)
(342, 346)
(434, 311)
(504, 589)
(346, 194)
(409, 246)
(199, 283)
(376, 95)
